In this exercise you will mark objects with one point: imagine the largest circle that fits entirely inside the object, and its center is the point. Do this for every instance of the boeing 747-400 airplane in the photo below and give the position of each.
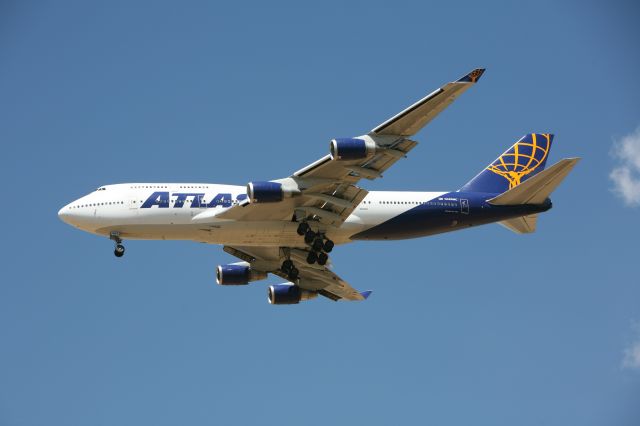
(288, 227)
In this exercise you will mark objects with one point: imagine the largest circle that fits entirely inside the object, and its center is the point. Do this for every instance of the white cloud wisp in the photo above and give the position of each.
(631, 355)
(626, 175)
(631, 359)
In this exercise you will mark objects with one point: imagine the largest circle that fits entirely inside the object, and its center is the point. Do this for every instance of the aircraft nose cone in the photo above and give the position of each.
(64, 214)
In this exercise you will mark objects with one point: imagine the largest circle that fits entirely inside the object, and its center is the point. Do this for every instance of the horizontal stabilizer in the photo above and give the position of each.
(522, 224)
(538, 188)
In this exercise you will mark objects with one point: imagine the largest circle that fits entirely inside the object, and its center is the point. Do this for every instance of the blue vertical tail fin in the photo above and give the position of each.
(523, 160)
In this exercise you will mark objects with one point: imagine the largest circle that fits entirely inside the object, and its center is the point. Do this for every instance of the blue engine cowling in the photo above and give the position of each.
(288, 294)
(265, 192)
(237, 274)
(351, 149)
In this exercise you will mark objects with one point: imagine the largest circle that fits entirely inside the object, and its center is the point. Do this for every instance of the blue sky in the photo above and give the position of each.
(480, 327)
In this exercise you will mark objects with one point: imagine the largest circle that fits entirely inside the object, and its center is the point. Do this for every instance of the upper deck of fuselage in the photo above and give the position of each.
(110, 200)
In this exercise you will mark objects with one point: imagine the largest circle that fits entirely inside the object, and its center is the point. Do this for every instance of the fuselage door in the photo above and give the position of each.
(133, 204)
(464, 206)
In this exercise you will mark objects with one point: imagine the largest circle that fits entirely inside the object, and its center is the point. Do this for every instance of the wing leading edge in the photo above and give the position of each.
(409, 121)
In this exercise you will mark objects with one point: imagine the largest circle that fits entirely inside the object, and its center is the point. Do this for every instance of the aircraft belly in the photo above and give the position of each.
(273, 233)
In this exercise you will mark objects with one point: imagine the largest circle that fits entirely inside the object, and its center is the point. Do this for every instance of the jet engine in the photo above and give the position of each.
(270, 192)
(351, 149)
(239, 273)
(289, 294)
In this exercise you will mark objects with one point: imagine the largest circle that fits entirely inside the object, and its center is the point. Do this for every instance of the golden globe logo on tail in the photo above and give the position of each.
(523, 158)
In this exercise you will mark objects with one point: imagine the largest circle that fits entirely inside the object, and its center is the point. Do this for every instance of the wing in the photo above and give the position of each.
(418, 115)
(326, 192)
(391, 135)
(332, 202)
(326, 189)
(314, 278)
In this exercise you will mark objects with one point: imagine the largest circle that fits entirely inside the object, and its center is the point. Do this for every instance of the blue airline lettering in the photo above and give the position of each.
(223, 200)
(159, 198)
(197, 201)
(181, 197)
(162, 200)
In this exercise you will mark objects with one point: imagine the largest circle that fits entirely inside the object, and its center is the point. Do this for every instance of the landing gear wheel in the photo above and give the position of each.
(119, 250)
(317, 244)
(287, 265)
(303, 228)
(309, 236)
(293, 274)
(312, 257)
(322, 259)
(328, 246)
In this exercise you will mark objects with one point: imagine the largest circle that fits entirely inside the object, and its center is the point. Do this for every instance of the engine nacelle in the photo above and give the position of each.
(351, 149)
(289, 294)
(265, 192)
(237, 274)
(271, 192)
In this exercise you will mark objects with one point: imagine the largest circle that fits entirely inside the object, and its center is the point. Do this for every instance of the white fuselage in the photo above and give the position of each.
(125, 210)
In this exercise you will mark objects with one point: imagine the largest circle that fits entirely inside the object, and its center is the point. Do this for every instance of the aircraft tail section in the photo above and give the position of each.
(538, 188)
(525, 159)
(522, 224)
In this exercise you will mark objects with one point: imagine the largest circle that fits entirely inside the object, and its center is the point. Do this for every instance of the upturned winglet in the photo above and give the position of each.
(366, 294)
(473, 76)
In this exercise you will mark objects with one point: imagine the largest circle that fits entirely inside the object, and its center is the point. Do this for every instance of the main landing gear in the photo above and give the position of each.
(119, 249)
(319, 247)
(319, 244)
(289, 269)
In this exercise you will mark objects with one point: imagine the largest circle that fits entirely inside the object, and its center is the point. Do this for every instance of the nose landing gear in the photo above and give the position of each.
(119, 249)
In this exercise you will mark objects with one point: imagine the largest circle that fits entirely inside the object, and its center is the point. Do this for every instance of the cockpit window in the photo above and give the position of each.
(102, 188)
